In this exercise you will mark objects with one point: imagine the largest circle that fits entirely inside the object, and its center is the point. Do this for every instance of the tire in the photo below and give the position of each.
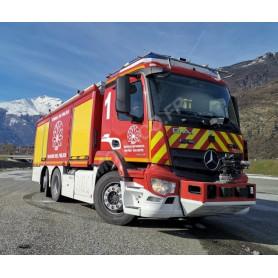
(45, 181)
(47, 190)
(56, 186)
(108, 204)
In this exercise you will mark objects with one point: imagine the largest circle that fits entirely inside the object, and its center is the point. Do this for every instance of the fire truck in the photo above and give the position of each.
(159, 138)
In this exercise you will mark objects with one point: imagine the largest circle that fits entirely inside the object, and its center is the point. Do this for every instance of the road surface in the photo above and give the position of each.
(33, 224)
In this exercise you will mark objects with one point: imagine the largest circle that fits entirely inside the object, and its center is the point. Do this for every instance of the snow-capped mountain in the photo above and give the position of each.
(32, 107)
(18, 118)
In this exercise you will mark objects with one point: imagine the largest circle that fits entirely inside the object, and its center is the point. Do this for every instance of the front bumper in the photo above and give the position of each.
(194, 200)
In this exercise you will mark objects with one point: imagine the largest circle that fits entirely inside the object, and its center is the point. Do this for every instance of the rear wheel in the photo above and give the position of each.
(56, 185)
(108, 200)
(44, 187)
(44, 181)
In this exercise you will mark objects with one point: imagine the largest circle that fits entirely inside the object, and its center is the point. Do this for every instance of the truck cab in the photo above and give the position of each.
(177, 125)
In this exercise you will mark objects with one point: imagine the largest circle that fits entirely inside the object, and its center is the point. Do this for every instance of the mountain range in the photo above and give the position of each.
(18, 118)
(253, 82)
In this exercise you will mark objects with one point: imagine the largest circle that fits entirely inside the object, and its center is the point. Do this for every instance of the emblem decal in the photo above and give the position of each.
(57, 136)
(134, 135)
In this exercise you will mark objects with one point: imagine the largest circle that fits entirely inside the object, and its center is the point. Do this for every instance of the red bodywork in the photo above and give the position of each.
(60, 126)
(105, 121)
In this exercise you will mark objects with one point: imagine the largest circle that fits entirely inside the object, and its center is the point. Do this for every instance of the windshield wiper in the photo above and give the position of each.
(190, 115)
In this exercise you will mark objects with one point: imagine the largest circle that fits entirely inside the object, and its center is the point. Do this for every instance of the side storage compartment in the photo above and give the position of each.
(68, 181)
(81, 131)
(41, 144)
(85, 185)
(85, 128)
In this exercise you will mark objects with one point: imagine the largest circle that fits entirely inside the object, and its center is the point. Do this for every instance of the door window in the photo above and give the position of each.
(136, 103)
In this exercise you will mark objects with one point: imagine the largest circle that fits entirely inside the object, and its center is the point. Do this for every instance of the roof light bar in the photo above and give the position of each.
(152, 55)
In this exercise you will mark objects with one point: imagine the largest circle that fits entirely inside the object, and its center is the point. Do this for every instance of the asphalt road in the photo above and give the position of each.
(33, 224)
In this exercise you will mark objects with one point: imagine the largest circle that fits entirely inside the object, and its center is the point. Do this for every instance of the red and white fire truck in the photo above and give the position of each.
(160, 138)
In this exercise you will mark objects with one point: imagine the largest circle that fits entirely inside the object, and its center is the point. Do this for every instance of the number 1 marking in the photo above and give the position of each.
(107, 103)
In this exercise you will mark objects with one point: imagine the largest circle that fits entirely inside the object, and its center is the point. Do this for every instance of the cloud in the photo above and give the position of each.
(197, 43)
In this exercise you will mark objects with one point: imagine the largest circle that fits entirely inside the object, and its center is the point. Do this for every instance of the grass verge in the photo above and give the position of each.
(264, 167)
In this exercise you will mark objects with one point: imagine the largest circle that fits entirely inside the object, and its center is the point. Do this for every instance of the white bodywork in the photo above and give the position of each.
(80, 185)
(139, 201)
(196, 208)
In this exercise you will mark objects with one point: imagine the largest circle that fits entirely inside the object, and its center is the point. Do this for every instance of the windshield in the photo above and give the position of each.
(178, 99)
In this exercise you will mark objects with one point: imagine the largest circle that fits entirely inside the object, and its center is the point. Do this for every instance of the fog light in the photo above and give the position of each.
(163, 187)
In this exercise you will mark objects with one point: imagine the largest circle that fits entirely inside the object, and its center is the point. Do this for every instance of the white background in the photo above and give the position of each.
(138, 266)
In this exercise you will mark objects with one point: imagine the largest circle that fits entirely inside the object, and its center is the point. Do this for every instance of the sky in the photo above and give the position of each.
(57, 59)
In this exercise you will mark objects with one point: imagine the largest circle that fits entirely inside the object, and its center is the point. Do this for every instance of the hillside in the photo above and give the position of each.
(255, 84)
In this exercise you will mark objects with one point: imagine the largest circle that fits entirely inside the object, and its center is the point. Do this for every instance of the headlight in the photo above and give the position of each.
(163, 187)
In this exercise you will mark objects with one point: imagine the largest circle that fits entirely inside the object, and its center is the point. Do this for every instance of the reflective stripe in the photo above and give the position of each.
(159, 154)
(201, 141)
(156, 138)
(237, 141)
(221, 143)
(173, 138)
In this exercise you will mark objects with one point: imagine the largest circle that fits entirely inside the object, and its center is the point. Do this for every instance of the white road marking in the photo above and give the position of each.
(44, 201)
(253, 176)
(16, 174)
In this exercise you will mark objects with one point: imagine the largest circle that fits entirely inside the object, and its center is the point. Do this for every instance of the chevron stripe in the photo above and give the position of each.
(159, 154)
(221, 143)
(201, 141)
(174, 137)
(158, 136)
(200, 138)
(237, 141)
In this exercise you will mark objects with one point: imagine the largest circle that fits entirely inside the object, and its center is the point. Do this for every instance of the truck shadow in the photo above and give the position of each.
(260, 226)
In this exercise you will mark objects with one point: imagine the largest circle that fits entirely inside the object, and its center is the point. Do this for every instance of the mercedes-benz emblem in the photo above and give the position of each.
(211, 160)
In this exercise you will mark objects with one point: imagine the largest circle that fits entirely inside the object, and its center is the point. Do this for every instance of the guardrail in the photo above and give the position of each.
(19, 157)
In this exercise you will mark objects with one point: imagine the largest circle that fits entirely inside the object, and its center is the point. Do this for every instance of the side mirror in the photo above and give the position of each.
(123, 95)
(234, 100)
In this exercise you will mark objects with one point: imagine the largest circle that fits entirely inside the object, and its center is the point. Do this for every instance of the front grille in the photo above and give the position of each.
(190, 164)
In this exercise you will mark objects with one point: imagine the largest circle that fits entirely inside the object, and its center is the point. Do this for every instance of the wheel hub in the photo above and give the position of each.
(113, 198)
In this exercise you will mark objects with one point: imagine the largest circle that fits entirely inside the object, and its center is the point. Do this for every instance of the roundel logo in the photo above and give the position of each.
(57, 137)
(211, 160)
(134, 134)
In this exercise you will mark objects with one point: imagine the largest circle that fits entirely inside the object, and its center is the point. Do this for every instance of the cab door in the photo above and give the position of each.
(128, 134)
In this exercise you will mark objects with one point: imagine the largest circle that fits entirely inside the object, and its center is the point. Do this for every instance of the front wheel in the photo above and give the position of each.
(108, 200)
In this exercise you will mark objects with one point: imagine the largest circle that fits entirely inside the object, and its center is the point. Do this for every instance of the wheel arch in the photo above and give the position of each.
(111, 161)
(105, 167)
